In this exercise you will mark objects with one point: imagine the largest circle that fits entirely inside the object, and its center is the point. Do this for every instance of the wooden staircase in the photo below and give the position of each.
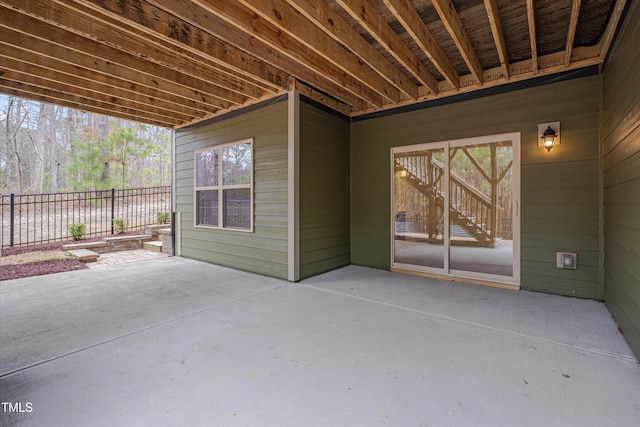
(469, 208)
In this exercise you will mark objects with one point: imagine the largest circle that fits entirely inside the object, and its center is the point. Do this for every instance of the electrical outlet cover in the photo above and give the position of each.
(567, 260)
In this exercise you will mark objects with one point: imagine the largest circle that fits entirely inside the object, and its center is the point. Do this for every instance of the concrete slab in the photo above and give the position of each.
(351, 347)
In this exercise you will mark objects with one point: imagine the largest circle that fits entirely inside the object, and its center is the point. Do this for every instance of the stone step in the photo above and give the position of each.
(153, 245)
(84, 255)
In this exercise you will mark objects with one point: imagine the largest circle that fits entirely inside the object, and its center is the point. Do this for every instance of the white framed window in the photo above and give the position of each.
(224, 186)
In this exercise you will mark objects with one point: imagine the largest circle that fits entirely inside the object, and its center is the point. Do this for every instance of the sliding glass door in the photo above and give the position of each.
(455, 208)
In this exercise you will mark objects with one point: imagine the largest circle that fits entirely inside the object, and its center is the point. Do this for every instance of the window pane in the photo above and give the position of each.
(236, 164)
(207, 207)
(237, 208)
(207, 168)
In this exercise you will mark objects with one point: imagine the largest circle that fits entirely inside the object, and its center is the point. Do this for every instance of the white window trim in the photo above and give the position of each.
(220, 188)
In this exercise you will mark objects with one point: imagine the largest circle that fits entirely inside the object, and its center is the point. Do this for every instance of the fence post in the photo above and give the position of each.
(113, 201)
(11, 219)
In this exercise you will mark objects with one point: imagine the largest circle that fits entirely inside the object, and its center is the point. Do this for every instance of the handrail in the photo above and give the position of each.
(466, 200)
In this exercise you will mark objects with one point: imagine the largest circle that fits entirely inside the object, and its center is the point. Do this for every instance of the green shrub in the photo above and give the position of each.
(119, 225)
(77, 230)
(162, 217)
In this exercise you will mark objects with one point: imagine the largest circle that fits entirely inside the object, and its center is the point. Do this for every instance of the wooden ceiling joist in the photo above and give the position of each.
(573, 24)
(334, 26)
(498, 35)
(173, 63)
(531, 22)
(452, 23)
(346, 90)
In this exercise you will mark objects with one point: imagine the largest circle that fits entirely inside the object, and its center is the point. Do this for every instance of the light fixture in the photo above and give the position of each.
(549, 135)
(547, 138)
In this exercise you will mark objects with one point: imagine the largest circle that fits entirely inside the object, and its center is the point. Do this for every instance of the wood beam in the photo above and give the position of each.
(378, 28)
(531, 21)
(573, 24)
(612, 26)
(498, 36)
(240, 33)
(451, 20)
(90, 98)
(334, 26)
(86, 22)
(412, 22)
(313, 39)
(583, 56)
(106, 59)
(51, 96)
(105, 87)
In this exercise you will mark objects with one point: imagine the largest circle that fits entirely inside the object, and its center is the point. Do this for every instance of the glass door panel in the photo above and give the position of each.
(481, 208)
(455, 208)
(419, 203)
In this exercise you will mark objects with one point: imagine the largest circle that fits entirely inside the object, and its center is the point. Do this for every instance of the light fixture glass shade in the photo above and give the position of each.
(548, 137)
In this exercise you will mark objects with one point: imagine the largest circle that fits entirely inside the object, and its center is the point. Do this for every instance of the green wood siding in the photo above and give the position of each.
(621, 178)
(265, 250)
(324, 191)
(560, 190)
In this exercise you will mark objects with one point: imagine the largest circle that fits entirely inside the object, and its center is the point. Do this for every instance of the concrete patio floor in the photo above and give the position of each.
(172, 341)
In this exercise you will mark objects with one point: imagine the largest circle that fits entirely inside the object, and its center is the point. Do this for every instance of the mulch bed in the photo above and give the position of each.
(17, 271)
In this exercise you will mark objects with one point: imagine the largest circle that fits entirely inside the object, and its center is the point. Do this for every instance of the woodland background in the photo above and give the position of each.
(48, 149)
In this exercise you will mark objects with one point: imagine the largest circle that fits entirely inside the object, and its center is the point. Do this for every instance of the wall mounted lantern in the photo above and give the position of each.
(549, 135)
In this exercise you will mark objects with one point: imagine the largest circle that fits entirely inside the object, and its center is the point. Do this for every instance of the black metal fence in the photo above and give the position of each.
(44, 218)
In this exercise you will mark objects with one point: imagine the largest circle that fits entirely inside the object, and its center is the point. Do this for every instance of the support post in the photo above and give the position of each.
(12, 217)
(113, 201)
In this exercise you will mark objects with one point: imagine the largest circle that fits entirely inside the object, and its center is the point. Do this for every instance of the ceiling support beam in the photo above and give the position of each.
(334, 26)
(532, 35)
(498, 35)
(318, 43)
(453, 24)
(243, 29)
(573, 24)
(378, 28)
(412, 22)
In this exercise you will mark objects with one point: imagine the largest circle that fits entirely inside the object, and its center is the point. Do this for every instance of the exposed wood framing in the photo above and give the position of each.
(172, 63)
(451, 21)
(573, 24)
(498, 36)
(412, 22)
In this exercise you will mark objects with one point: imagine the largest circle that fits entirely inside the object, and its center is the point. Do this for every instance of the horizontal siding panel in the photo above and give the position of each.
(264, 250)
(626, 170)
(308, 269)
(324, 191)
(624, 127)
(561, 242)
(241, 263)
(576, 288)
(222, 238)
(568, 211)
(626, 215)
(622, 151)
(529, 253)
(625, 261)
(621, 148)
(568, 227)
(624, 193)
(626, 237)
(624, 312)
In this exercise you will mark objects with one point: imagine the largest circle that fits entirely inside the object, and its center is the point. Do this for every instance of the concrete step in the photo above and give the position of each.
(153, 245)
(84, 255)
